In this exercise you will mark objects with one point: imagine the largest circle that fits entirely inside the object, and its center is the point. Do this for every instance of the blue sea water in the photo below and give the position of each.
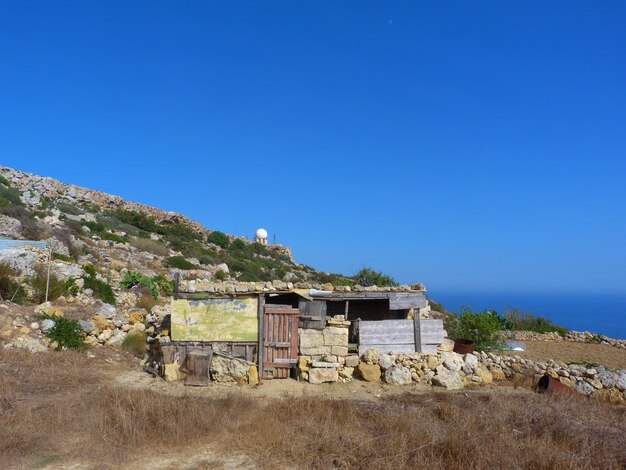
(598, 313)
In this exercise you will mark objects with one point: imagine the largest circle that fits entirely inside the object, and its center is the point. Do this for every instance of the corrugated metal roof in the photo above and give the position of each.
(4, 244)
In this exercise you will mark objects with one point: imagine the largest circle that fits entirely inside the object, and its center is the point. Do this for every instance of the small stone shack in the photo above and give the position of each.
(250, 331)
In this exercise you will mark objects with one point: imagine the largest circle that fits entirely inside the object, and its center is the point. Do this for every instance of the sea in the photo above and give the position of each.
(599, 313)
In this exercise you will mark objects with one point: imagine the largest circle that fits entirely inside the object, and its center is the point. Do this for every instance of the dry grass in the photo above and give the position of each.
(608, 356)
(151, 246)
(59, 406)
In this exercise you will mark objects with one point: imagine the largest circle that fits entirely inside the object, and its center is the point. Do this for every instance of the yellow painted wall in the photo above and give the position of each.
(215, 319)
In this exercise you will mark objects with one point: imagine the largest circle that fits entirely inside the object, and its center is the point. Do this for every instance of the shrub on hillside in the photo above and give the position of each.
(218, 238)
(178, 262)
(436, 306)
(166, 286)
(517, 320)
(482, 328)
(135, 343)
(369, 277)
(101, 289)
(38, 282)
(9, 289)
(133, 278)
(66, 332)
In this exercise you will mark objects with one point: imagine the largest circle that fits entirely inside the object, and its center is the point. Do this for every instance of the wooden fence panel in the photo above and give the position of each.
(400, 335)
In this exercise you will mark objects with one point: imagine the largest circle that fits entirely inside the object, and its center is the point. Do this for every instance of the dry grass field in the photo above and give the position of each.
(566, 351)
(66, 410)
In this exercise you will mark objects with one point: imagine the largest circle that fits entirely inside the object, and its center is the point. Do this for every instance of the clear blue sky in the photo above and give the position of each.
(469, 145)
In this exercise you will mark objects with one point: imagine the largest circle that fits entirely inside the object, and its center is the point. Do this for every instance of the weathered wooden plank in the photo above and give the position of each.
(405, 301)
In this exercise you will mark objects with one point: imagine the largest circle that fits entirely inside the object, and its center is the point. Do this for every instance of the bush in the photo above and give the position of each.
(482, 328)
(220, 275)
(517, 320)
(62, 257)
(100, 289)
(436, 306)
(146, 302)
(9, 289)
(66, 332)
(218, 238)
(369, 277)
(135, 343)
(56, 287)
(178, 262)
(166, 286)
(133, 278)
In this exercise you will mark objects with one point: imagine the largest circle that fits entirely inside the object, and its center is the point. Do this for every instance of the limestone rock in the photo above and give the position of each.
(583, 387)
(371, 356)
(446, 346)
(172, 372)
(620, 383)
(20, 260)
(398, 375)
(432, 362)
(352, 361)
(27, 343)
(253, 375)
(323, 374)
(346, 372)
(369, 372)
(607, 378)
(226, 369)
(47, 325)
(386, 361)
(611, 395)
(452, 360)
(137, 315)
(304, 364)
(448, 379)
(486, 377)
(106, 311)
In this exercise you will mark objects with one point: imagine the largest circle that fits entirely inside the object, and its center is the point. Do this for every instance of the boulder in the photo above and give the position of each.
(448, 379)
(371, 356)
(398, 375)
(386, 361)
(27, 343)
(369, 372)
(352, 361)
(620, 382)
(497, 373)
(432, 362)
(446, 346)
(137, 315)
(318, 375)
(172, 372)
(20, 260)
(470, 362)
(583, 387)
(47, 325)
(107, 311)
(227, 369)
(486, 377)
(611, 395)
(346, 372)
(452, 360)
(608, 379)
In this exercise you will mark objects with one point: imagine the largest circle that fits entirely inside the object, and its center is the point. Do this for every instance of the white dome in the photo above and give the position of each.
(261, 233)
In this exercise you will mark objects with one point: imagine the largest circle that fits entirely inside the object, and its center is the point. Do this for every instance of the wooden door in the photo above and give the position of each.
(280, 341)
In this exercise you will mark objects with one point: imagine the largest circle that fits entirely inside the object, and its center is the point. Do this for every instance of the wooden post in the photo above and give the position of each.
(260, 349)
(347, 308)
(416, 330)
(48, 277)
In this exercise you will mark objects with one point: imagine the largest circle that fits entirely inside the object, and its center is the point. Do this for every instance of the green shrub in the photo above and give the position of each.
(369, 277)
(56, 287)
(62, 257)
(219, 238)
(71, 209)
(100, 289)
(220, 275)
(4, 181)
(146, 302)
(133, 278)
(482, 328)
(238, 245)
(66, 332)
(9, 196)
(138, 219)
(9, 289)
(166, 286)
(135, 343)
(517, 320)
(178, 262)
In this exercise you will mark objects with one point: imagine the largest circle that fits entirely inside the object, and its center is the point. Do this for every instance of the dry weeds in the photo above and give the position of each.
(58, 406)
(568, 351)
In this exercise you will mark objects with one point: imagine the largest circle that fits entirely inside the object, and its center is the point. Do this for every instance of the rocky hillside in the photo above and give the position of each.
(90, 228)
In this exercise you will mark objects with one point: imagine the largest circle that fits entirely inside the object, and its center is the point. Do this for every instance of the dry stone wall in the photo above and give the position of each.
(573, 336)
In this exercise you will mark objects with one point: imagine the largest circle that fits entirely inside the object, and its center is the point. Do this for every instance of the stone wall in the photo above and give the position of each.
(455, 371)
(323, 354)
(574, 336)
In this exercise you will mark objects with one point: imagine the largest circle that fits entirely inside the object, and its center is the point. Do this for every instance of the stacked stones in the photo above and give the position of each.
(324, 353)
(231, 287)
(574, 336)
(454, 371)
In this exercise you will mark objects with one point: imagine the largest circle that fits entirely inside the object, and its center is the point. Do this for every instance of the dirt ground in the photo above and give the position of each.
(567, 351)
